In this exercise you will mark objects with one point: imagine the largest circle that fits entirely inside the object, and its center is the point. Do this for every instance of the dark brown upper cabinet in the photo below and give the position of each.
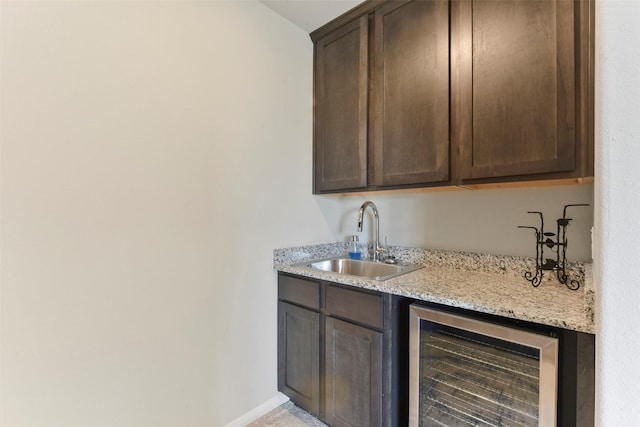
(410, 86)
(439, 93)
(522, 104)
(341, 108)
(381, 91)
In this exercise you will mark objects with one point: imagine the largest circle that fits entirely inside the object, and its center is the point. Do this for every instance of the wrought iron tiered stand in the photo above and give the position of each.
(556, 243)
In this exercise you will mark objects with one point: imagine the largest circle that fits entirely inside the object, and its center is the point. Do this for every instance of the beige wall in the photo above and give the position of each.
(476, 221)
(153, 155)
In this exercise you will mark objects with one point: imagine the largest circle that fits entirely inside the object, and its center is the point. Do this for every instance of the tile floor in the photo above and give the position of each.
(287, 415)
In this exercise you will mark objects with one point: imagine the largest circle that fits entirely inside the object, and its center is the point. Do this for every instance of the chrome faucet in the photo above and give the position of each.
(377, 248)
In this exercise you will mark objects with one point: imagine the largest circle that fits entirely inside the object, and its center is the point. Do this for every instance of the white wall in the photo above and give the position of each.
(153, 155)
(617, 212)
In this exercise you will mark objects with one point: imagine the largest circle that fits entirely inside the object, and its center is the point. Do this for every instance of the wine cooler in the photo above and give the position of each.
(468, 372)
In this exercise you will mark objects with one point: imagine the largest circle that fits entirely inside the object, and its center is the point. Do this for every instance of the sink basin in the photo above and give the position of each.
(361, 268)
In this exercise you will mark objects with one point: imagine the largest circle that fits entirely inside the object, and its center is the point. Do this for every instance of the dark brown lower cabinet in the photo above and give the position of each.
(299, 355)
(343, 355)
(353, 374)
(299, 352)
(334, 352)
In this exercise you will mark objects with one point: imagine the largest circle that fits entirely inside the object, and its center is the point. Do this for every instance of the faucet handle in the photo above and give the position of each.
(387, 258)
(385, 248)
(390, 259)
(381, 252)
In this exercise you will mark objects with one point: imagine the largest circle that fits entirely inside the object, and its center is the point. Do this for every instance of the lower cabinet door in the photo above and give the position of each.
(353, 368)
(298, 355)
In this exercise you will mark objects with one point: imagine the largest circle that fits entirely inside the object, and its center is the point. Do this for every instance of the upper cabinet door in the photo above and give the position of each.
(516, 106)
(410, 114)
(340, 108)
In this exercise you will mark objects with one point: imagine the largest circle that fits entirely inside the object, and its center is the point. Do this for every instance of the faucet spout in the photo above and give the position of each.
(377, 249)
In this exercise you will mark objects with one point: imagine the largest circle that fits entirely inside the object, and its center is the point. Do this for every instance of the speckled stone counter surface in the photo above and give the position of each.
(480, 282)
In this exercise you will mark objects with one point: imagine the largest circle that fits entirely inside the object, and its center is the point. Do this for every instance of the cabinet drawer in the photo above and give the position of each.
(299, 291)
(355, 305)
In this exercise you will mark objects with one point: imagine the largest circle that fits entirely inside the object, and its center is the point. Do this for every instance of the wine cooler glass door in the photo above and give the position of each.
(469, 372)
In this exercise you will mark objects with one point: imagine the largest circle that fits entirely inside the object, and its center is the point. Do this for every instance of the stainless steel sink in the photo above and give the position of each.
(361, 268)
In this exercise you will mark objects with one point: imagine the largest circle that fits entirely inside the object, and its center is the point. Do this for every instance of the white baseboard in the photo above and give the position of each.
(259, 411)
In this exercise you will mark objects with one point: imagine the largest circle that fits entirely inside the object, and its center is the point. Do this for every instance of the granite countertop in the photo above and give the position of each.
(480, 282)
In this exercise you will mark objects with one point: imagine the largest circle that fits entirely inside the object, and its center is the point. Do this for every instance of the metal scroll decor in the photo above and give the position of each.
(556, 243)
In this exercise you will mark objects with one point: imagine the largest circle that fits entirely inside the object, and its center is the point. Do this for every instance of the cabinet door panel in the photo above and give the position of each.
(520, 82)
(411, 87)
(353, 384)
(298, 355)
(340, 110)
